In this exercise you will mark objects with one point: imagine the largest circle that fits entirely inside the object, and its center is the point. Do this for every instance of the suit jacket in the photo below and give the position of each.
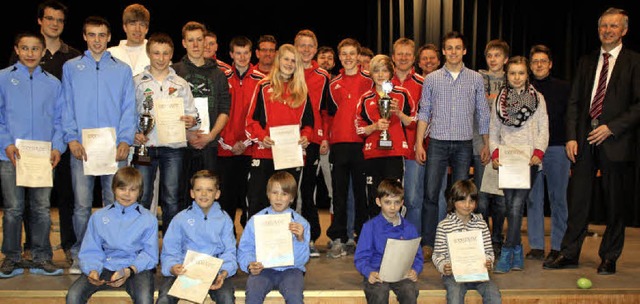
(621, 105)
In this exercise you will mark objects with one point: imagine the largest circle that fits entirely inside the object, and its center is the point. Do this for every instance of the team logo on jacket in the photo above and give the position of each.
(191, 222)
(105, 220)
(81, 66)
(15, 82)
(172, 90)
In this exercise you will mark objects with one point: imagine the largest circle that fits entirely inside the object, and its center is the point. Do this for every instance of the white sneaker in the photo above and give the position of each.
(75, 267)
(313, 251)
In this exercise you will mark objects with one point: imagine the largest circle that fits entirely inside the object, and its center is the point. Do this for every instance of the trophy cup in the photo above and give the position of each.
(145, 125)
(384, 107)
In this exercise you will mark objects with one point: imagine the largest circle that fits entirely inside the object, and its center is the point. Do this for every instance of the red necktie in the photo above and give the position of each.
(596, 105)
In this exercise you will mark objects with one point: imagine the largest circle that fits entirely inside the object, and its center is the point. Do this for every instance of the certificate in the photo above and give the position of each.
(33, 168)
(201, 270)
(287, 153)
(490, 181)
(202, 105)
(169, 126)
(274, 240)
(514, 170)
(100, 146)
(398, 258)
(468, 260)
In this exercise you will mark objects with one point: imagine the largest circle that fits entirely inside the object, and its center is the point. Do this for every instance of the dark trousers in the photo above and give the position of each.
(62, 196)
(617, 186)
(194, 161)
(378, 169)
(259, 174)
(347, 164)
(307, 192)
(234, 174)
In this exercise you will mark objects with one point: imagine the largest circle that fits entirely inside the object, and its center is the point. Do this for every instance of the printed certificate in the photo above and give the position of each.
(398, 258)
(100, 146)
(169, 126)
(287, 153)
(33, 168)
(201, 270)
(468, 260)
(274, 240)
(514, 170)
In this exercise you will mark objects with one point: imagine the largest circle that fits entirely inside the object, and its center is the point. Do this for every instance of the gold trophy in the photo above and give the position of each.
(384, 107)
(146, 122)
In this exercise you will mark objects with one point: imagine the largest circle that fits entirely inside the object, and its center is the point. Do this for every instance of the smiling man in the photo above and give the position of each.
(135, 23)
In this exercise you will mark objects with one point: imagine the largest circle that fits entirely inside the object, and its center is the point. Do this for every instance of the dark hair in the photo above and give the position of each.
(287, 183)
(390, 187)
(459, 191)
(36, 35)
(267, 38)
(240, 41)
(160, 38)
(325, 49)
(53, 4)
(365, 51)
(497, 44)
(96, 21)
(205, 174)
(193, 26)
(429, 46)
(540, 48)
(454, 35)
(127, 176)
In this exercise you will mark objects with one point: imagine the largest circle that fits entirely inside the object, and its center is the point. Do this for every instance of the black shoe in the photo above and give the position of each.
(562, 262)
(497, 249)
(553, 254)
(535, 254)
(607, 267)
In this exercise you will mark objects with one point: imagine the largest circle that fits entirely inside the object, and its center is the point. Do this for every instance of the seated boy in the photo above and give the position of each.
(203, 227)
(289, 280)
(120, 246)
(389, 224)
(461, 202)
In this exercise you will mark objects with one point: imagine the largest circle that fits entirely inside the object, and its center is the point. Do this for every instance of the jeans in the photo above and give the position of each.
(139, 287)
(489, 205)
(406, 292)
(14, 208)
(516, 200)
(440, 154)
(456, 291)
(170, 162)
(83, 195)
(289, 282)
(555, 169)
(223, 295)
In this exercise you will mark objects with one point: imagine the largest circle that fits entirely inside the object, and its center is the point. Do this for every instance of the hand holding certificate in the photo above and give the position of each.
(514, 170)
(274, 240)
(200, 271)
(468, 259)
(100, 146)
(33, 168)
(398, 258)
(169, 126)
(287, 152)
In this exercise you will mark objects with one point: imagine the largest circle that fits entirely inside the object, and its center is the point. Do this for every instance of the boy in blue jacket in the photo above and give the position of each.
(203, 227)
(389, 224)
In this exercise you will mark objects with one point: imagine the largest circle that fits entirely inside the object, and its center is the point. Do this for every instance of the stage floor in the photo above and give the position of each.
(325, 275)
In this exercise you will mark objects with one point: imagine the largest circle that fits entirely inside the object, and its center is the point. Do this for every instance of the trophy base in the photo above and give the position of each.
(385, 145)
(142, 160)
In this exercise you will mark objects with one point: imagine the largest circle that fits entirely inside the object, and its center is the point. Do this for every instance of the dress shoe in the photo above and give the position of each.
(535, 254)
(607, 267)
(553, 254)
(561, 262)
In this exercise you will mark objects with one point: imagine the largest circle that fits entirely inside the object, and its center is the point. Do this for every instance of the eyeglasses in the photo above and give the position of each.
(540, 61)
(52, 19)
(268, 50)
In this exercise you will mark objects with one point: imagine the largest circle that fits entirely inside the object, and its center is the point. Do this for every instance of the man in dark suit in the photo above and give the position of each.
(603, 114)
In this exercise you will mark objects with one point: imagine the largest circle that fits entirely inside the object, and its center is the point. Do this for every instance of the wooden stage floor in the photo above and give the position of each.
(337, 281)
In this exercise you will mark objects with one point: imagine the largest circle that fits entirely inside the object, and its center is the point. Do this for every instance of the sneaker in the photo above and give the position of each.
(350, 247)
(45, 268)
(337, 250)
(552, 256)
(10, 269)
(313, 251)
(75, 267)
(535, 254)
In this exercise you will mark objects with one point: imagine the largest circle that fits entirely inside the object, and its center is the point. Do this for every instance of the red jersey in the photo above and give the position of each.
(367, 113)
(317, 80)
(413, 83)
(265, 113)
(241, 91)
(344, 96)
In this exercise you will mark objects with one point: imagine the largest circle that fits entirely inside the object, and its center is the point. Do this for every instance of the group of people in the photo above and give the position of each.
(388, 169)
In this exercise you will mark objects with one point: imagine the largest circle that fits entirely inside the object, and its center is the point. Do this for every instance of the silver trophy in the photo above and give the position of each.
(146, 122)
(384, 107)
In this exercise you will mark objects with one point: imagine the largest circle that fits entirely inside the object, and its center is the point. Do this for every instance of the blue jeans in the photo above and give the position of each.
(14, 205)
(406, 292)
(555, 168)
(289, 282)
(139, 287)
(489, 205)
(440, 154)
(223, 295)
(515, 200)
(456, 291)
(414, 198)
(170, 162)
(83, 195)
